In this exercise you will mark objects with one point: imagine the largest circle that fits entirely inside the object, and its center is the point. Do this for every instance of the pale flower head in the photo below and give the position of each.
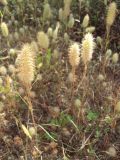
(74, 55)
(87, 48)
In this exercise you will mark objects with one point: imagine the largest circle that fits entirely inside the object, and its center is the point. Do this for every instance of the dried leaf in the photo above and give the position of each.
(25, 130)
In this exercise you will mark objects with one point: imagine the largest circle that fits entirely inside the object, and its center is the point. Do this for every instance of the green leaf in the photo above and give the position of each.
(97, 133)
(48, 57)
(92, 116)
(38, 59)
(53, 135)
(64, 119)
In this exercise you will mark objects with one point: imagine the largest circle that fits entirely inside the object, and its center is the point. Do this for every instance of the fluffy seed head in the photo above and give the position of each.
(4, 29)
(71, 77)
(11, 68)
(85, 21)
(11, 38)
(32, 94)
(32, 131)
(21, 91)
(26, 65)
(71, 21)
(101, 77)
(3, 70)
(34, 47)
(115, 57)
(61, 14)
(108, 53)
(66, 11)
(55, 54)
(87, 48)
(77, 103)
(117, 106)
(4, 2)
(90, 29)
(55, 32)
(112, 152)
(66, 37)
(22, 31)
(74, 53)
(43, 40)
(16, 36)
(12, 52)
(47, 13)
(50, 32)
(99, 40)
(54, 112)
(111, 14)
